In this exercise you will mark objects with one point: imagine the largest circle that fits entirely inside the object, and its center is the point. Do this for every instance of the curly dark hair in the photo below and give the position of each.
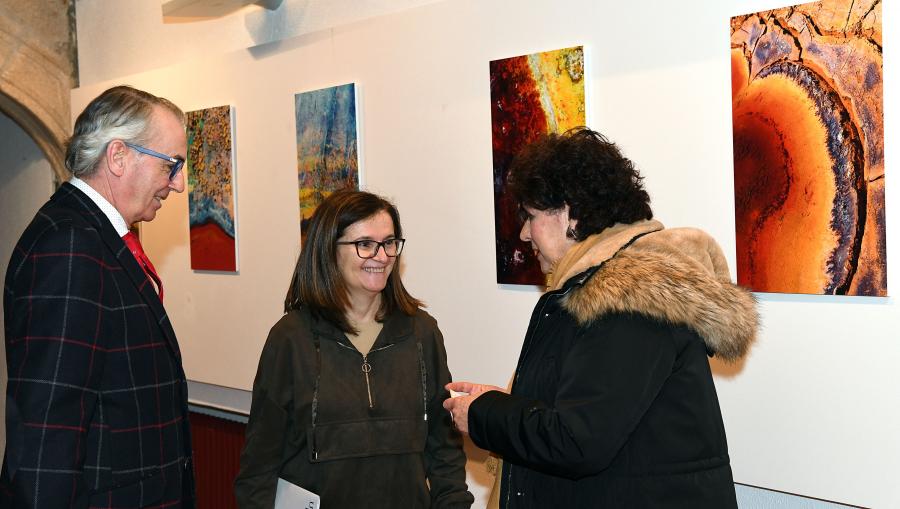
(582, 169)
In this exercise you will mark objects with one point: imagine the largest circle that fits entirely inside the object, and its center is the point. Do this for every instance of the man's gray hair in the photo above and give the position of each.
(120, 113)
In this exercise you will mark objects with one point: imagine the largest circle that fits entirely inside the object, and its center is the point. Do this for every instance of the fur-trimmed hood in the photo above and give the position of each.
(679, 276)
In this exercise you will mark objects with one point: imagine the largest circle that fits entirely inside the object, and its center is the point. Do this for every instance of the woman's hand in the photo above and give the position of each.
(459, 405)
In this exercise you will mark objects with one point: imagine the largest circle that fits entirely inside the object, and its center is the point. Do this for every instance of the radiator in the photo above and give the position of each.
(217, 447)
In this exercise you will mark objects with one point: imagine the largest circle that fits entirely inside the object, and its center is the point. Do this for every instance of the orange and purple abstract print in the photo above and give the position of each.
(211, 189)
(530, 95)
(808, 129)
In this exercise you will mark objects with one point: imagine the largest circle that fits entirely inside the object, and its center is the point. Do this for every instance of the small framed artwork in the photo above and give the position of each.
(211, 189)
(327, 145)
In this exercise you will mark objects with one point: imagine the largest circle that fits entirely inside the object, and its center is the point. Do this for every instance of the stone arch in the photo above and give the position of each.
(50, 141)
(37, 71)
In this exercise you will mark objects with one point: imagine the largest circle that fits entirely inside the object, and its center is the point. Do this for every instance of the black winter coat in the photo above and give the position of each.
(316, 421)
(613, 403)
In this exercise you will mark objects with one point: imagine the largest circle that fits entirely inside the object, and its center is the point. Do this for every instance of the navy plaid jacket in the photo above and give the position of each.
(97, 398)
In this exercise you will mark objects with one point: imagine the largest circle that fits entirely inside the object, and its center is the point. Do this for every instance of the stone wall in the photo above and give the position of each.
(38, 68)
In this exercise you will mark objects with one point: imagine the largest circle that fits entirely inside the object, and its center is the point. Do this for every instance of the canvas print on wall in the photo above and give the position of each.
(808, 128)
(530, 95)
(327, 151)
(210, 171)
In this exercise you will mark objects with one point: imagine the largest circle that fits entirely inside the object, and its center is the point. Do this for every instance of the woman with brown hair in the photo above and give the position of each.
(613, 403)
(347, 397)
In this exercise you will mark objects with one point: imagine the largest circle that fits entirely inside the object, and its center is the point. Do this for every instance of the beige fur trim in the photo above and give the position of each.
(677, 276)
(596, 249)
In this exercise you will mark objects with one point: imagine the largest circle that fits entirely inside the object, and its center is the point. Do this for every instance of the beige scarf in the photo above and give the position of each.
(596, 249)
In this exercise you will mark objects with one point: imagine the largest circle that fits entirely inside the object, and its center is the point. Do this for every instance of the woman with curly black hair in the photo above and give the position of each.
(613, 403)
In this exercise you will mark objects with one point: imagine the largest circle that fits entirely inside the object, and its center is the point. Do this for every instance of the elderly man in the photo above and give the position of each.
(97, 397)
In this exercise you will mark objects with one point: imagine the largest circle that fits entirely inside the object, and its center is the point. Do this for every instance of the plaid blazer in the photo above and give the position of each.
(97, 399)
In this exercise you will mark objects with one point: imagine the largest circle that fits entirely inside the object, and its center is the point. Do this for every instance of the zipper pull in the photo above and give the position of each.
(366, 368)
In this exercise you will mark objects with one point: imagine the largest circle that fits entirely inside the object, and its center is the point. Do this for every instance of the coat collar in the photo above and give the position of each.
(398, 327)
(598, 248)
(69, 196)
(677, 276)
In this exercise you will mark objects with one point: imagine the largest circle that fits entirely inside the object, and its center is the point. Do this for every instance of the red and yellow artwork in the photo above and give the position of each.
(808, 129)
(530, 95)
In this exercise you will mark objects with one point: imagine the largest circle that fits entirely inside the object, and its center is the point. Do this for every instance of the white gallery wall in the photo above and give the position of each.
(813, 409)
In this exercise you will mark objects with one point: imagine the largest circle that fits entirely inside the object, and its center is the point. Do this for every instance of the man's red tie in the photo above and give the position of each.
(134, 245)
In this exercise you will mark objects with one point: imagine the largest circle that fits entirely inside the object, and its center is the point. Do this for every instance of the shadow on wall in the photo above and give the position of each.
(26, 181)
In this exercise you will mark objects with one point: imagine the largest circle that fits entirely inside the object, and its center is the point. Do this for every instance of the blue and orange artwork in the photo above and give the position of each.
(210, 173)
(327, 152)
(808, 136)
(531, 95)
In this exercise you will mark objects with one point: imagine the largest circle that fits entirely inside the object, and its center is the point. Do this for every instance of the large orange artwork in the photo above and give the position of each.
(809, 148)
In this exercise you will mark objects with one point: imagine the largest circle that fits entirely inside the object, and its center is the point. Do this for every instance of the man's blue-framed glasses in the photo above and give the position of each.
(175, 163)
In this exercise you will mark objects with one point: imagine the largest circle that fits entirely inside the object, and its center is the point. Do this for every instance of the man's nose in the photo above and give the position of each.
(177, 184)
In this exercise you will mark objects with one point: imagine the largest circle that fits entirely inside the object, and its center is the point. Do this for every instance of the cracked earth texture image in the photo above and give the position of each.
(530, 95)
(808, 133)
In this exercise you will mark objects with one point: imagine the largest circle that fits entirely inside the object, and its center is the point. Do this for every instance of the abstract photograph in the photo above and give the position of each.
(808, 134)
(210, 176)
(530, 95)
(327, 151)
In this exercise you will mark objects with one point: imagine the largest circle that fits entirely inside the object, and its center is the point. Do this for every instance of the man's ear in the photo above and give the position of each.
(116, 157)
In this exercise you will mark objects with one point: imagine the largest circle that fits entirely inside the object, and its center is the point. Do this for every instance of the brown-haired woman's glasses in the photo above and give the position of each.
(369, 248)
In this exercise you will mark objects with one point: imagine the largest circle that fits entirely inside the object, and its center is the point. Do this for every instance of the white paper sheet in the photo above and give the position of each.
(291, 496)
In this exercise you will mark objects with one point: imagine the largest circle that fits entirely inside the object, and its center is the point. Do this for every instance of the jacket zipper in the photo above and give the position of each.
(366, 367)
(540, 318)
